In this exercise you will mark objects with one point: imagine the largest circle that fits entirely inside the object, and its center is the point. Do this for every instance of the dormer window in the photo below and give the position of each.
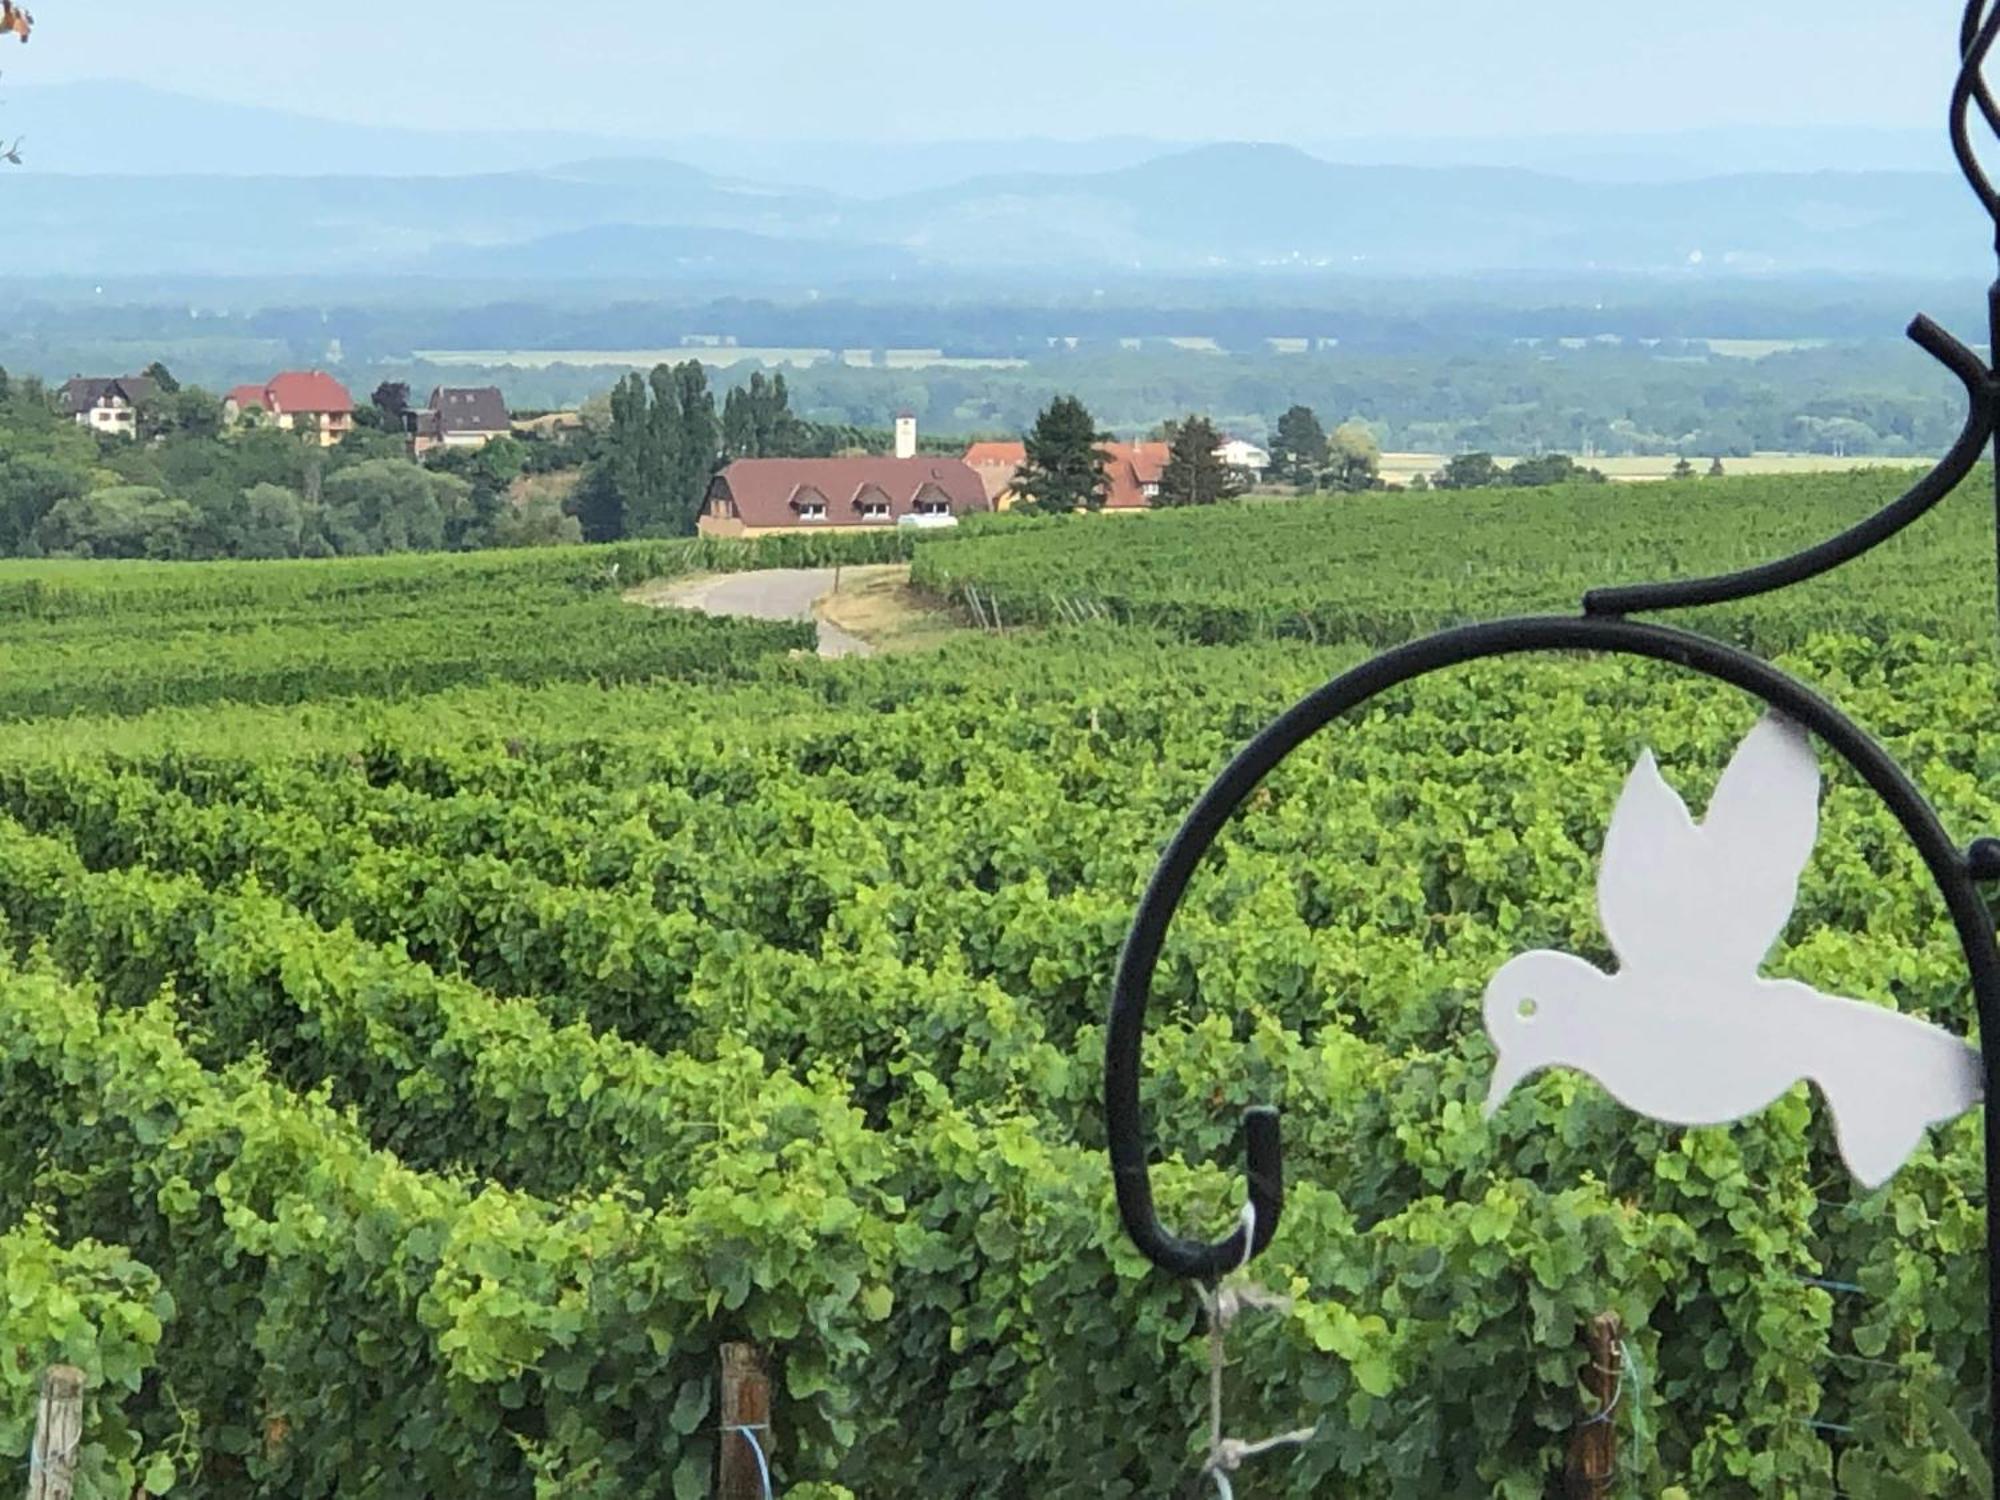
(875, 510)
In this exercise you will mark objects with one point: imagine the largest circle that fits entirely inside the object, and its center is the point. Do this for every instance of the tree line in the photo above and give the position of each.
(1066, 467)
(193, 486)
(663, 442)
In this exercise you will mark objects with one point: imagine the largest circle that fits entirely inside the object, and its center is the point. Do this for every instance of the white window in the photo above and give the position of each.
(812, 510)
(874, 510)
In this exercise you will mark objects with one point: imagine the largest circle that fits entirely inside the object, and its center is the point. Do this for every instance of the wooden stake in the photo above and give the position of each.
(58, 1434)
(1593, 1445)
(746, 1403)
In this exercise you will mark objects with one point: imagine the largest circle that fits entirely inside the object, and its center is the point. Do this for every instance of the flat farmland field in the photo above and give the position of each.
(1401, 468)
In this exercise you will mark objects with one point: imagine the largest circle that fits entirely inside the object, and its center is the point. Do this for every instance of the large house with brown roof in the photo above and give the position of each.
(298, 401)
(758, 496)
(107, 404)
(1131, 472)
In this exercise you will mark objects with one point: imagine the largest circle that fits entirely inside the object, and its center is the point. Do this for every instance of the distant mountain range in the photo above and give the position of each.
(178, 186)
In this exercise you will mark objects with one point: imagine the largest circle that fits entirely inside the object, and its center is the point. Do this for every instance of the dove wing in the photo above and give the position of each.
(1649, 882)
(1758, 835)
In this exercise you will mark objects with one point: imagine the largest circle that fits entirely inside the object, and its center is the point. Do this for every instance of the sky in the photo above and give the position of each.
(903, 70)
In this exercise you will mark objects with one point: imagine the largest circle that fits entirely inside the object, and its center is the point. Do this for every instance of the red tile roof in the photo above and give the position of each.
(996, 465)
(1131, 467)
(245, 397)
(982, 455)
(764, 489)
(307, 391)
(1128, 469)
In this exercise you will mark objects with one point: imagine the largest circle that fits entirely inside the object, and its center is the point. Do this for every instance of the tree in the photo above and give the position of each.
(274, 523)
(1064, 469)
(193, 413)
(697, 447)
(1682, 468)
(162, 377)
(1354, 458)
(536, 522)
(32, 485)
(1468, 471)
(1299, 447)
(1549, 468)
(131, 521)
(757, 422)
(1195, 475)
(391, 399)
(652, 472)
(391, 505)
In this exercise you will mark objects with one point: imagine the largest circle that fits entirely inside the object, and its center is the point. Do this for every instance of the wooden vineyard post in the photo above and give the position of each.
(58, 1434)
(746, 1404)
(1593, 1446)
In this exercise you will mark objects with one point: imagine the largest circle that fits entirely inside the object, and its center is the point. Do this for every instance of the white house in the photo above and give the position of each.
(1239, 453)
(107, 405)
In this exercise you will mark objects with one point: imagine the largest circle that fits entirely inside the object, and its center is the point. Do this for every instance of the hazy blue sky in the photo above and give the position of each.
(900, 69)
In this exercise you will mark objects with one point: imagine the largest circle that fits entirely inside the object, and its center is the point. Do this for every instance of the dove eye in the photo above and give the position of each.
(1528, 1009)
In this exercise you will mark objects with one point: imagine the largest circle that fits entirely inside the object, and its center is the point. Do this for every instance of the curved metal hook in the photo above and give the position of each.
(1977, 34)
(1982, 417)
(1133, 987)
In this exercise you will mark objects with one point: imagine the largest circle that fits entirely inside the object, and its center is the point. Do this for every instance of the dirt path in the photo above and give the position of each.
(775, 594)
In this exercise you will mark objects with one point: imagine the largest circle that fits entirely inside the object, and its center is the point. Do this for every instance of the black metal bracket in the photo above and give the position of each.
(1604, 628)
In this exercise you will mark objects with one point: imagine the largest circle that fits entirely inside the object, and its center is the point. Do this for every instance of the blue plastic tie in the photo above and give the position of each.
(763, 1464)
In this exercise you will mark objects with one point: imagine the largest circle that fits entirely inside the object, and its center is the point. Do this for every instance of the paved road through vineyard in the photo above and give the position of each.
(773, 594)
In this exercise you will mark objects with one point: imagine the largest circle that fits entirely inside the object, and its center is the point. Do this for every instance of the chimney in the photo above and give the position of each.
(906, 435)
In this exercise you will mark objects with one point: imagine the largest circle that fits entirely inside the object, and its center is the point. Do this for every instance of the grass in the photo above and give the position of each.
(878, 605)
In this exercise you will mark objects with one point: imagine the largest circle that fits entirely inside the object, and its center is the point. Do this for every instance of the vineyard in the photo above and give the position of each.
(441, 1004)
(1382, 568)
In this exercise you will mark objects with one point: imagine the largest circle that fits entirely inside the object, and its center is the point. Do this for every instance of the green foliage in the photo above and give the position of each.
(1064, 470)
(1354, 459)
(94, 1307)
(1195, 474)
(1299, 447)
(1380, 569)
(1549, 469)
(188, 491)
(1468, 471)
(386, 505)
(129, 639)
(661, 450)
(467, 1066)
(122, 521)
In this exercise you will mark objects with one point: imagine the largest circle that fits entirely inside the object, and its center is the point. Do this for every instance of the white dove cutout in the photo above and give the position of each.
(1687, 1031)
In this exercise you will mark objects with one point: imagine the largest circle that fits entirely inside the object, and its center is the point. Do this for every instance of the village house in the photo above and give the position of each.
(460, 417)
(1241, 453)
(758, 496)
(1131, 472)
(107, 405)
(297, 400)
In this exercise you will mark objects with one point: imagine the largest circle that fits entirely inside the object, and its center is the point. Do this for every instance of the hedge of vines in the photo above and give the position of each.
(409, 1097)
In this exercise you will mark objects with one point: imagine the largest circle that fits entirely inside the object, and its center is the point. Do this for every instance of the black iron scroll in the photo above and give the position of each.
(1604, 627)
